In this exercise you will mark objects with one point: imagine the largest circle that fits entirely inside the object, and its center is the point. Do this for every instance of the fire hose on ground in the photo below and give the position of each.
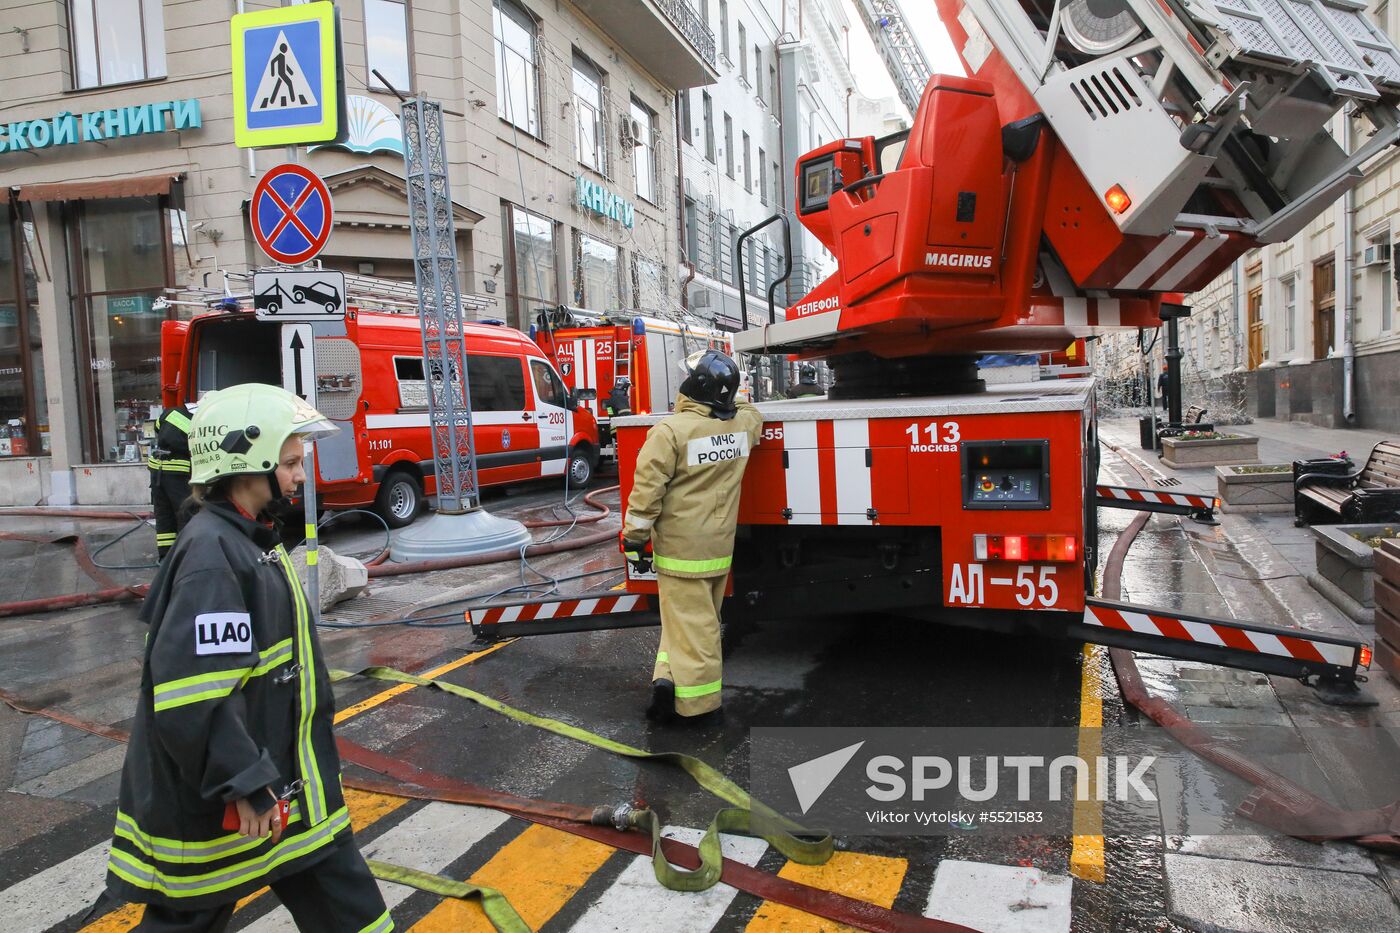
(1276, 801)
(626, 827)
(113, 592)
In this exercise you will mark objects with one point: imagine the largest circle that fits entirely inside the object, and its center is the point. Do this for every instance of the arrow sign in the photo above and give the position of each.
(299, 361)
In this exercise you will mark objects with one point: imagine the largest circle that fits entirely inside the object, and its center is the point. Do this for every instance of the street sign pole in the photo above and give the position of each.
(460, 526)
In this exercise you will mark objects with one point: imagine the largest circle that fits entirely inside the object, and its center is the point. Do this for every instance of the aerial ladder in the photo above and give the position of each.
(897, 47)
(1101, 159)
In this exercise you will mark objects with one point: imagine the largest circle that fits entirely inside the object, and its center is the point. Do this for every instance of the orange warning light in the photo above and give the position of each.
(1117, 199)
(1365, 662)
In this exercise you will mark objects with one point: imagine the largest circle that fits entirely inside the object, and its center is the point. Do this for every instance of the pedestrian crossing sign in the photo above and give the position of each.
(288, 84)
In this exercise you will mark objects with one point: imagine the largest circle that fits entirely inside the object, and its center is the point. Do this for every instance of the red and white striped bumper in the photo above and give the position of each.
(1240, 638)
(1129, 497)
(559, 609)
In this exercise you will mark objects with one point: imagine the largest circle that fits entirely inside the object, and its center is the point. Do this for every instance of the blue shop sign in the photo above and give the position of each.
(601, 201)
(119, 122)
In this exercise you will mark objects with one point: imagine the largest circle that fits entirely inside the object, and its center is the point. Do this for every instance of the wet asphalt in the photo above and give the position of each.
(848, 670)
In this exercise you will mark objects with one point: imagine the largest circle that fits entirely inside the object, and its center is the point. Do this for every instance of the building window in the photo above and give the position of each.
(588, 113)
(386, 43)
(758, 70)
(708, 114)
(729, 145)
(116, 41)
(126, 258)
(597, 274)
(692, 230)
(649, 289)
(762, 176)
(773, 84)
(24, 409)
(734, 270)
(777, 187)
(1290, 312)
(532, 255)
(724, 28)
(517, 74)
(687, 130)
(743, 56)
(748, 175)
(644, 150)
(1324, 308)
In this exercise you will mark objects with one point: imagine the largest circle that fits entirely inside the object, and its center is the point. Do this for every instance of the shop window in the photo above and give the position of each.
(533, 280)
(125, 252)
(24, 414)
(517, 68)
(116, 41)
(588, 113)
(597, 282)
(387, 49)
(644, 150)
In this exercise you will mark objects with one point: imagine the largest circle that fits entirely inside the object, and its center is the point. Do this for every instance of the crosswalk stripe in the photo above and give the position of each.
(365, 809)
(873, 878)
(1000, 898)
(56, 893)
(635, 901)
(429, 840)
(538, 871)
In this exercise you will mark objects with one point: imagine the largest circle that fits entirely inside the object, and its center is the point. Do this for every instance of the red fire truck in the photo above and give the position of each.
(370, 380)
(1092, 164)
(593, 351)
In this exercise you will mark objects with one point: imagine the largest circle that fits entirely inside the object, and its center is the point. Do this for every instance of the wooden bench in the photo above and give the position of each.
(1194, 415)
(1332, 491)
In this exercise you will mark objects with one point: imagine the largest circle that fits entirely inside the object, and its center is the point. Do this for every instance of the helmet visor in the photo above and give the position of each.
(315, 430)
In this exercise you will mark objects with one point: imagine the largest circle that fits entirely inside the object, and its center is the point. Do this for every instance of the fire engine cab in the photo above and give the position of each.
(526, 424)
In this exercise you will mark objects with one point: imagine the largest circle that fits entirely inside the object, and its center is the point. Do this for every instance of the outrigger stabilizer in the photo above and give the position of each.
(1330, 664)
(1193, 505)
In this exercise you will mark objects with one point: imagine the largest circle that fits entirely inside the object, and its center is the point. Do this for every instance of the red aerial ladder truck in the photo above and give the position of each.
(1099, 159)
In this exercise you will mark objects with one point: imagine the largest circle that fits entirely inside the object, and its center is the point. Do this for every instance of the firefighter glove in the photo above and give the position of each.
(638, 554)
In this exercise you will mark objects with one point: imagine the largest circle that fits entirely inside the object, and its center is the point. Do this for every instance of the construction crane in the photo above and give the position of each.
(897, 47)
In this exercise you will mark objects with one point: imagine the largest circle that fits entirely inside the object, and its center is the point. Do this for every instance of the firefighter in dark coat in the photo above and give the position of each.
(232, 781)
(169, 464)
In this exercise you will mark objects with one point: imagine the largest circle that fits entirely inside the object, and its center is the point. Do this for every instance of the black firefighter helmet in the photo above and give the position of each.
(712, 379)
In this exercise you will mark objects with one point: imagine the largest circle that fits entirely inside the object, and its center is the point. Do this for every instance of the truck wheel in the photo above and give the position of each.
(580, 467)
(400, 499)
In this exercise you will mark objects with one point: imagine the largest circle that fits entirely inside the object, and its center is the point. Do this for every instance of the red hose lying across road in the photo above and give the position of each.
(1275, 802)
(118, 594)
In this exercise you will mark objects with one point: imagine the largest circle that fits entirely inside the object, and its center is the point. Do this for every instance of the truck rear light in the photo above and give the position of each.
(1364, 661)
(1026, 548)
(1117, 199)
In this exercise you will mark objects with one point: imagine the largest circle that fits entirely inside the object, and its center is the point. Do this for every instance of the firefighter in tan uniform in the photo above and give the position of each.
(681, 518)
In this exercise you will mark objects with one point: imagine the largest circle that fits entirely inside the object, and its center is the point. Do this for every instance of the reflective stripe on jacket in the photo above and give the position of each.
(685, 489)
(234, 699)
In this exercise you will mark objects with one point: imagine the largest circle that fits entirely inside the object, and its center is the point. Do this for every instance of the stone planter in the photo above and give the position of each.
(1346, 568)
(1243, 491)
(1216, 451)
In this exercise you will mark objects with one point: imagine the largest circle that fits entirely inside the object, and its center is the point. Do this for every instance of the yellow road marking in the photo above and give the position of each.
(386, 695)
(538, 871)
(873, 878)
(1086, 859)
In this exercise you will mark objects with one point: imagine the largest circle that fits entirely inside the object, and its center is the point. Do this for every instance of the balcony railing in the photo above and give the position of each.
(688, 21)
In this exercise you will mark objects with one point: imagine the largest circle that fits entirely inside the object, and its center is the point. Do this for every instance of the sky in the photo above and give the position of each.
(922, 16)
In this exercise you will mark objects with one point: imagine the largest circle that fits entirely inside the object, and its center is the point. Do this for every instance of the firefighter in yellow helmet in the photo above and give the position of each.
(232, 781)
(681, 518)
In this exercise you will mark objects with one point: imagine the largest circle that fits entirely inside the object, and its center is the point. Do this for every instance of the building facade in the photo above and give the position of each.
(121, 185)
(1309, 324)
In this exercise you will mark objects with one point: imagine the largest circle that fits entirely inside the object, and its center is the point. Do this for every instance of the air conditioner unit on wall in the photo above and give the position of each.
(630, 132)
(1377, 254)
